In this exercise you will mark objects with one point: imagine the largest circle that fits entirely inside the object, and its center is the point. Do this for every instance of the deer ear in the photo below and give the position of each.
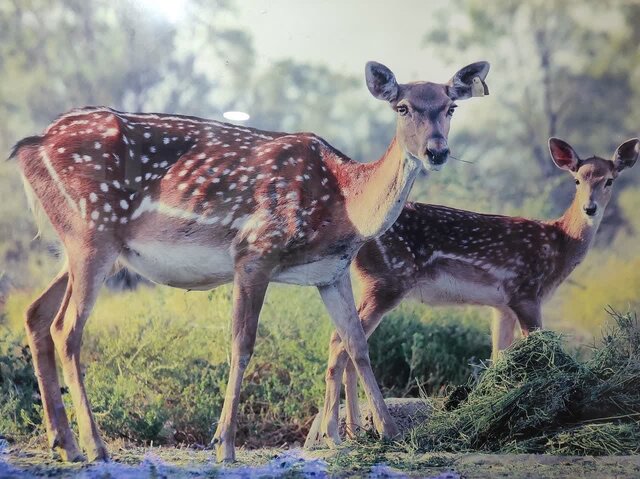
(563, 155)
(469, 81)
(626, 154)
(381, 81)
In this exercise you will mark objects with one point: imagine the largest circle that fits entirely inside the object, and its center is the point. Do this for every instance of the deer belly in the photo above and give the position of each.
(180, 265)
(446, 288)
(317, 273)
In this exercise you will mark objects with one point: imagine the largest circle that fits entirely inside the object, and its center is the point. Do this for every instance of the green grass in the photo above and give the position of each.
(157, 363)
(537, 398)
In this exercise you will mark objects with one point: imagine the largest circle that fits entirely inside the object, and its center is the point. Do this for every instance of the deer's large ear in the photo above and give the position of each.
(469, 81)
(381, 81)
(564, 156)
(626, 154)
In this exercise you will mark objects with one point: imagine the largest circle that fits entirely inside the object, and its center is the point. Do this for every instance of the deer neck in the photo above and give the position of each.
(377, 192)
(579, 232)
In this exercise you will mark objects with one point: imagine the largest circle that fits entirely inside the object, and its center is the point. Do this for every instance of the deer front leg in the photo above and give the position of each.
(338, 299)
(371, 311)
(86, 275)
(529, 315)
(39, 317)
(249, 289)
(502, 330)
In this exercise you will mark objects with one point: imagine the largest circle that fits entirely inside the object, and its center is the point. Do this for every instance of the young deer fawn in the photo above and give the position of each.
(441, 255)
(195, 203)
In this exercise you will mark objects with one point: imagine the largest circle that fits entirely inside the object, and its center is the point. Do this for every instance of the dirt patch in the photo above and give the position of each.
(130, 462)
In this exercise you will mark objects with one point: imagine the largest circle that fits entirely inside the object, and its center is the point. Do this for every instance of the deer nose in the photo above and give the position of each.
(590, 210)
(437, 150)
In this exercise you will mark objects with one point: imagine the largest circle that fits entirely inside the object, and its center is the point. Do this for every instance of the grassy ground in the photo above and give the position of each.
(156, 364)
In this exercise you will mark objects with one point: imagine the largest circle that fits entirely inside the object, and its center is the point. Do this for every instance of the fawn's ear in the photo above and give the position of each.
(563, 155)
(626, 154)
(469, 81)
(381, 81)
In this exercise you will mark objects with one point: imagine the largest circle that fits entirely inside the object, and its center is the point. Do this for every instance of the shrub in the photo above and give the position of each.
(432, 349)
(20, 409)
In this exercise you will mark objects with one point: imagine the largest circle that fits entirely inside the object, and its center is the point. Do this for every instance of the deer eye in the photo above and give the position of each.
(402, 110)
(609, 182)
(577, 182)
(451, 110)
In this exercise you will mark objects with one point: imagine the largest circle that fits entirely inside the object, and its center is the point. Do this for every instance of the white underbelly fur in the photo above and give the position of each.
(182, 265)
(448, 289)
(200, 267)
(322, 272)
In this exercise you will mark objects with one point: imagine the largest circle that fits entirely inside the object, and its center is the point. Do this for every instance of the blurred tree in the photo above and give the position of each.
(293, 96)
(113, 52)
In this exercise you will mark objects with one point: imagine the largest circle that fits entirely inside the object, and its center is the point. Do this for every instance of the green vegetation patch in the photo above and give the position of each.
(537, 398)
(157, 360)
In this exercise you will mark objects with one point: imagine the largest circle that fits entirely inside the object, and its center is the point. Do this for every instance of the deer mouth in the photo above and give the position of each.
(437, 160)
(427, 164)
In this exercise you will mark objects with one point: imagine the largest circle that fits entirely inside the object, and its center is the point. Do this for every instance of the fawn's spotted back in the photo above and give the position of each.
(431, 242)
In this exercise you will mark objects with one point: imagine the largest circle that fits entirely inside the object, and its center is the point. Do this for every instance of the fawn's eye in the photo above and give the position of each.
(577, 182)
(451, 110)
(402, 110)
(609, 182)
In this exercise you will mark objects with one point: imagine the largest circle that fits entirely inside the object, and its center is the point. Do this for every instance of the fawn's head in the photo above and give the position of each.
(425, 109)
(594, 176)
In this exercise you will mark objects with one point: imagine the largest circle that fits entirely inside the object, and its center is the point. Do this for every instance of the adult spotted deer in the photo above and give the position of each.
(195, 203)
(441, 256)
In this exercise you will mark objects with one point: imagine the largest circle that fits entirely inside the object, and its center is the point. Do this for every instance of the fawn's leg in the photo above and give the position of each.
(38, 319)
(502, 330)
(87, 272)
(338, 299)
(249, 288)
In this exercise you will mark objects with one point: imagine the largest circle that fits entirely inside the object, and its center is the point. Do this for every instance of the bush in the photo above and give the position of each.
(20, 409)
(431, 350)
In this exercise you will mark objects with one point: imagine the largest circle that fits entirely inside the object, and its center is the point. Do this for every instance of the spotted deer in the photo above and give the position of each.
(194, 203)
(445, 256)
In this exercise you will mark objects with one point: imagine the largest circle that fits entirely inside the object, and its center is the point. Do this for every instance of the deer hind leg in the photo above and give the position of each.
(338, 299)
(87, 272)
(249, 288)
(328, 428)
(38, 319)
(502, 330)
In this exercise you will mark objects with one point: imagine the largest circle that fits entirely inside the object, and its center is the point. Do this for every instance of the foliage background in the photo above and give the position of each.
(157, 357)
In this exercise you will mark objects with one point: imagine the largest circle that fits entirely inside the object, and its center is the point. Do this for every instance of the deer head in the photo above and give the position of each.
(593, 176)
(425, 109)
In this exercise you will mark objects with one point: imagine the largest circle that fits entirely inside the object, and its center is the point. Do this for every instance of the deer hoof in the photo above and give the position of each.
(225, 452)
(67, 450)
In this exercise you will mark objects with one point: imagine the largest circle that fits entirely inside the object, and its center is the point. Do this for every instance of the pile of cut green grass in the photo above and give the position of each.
(537, 398)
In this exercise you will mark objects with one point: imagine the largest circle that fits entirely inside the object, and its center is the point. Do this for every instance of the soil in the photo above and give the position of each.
(28, 461)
